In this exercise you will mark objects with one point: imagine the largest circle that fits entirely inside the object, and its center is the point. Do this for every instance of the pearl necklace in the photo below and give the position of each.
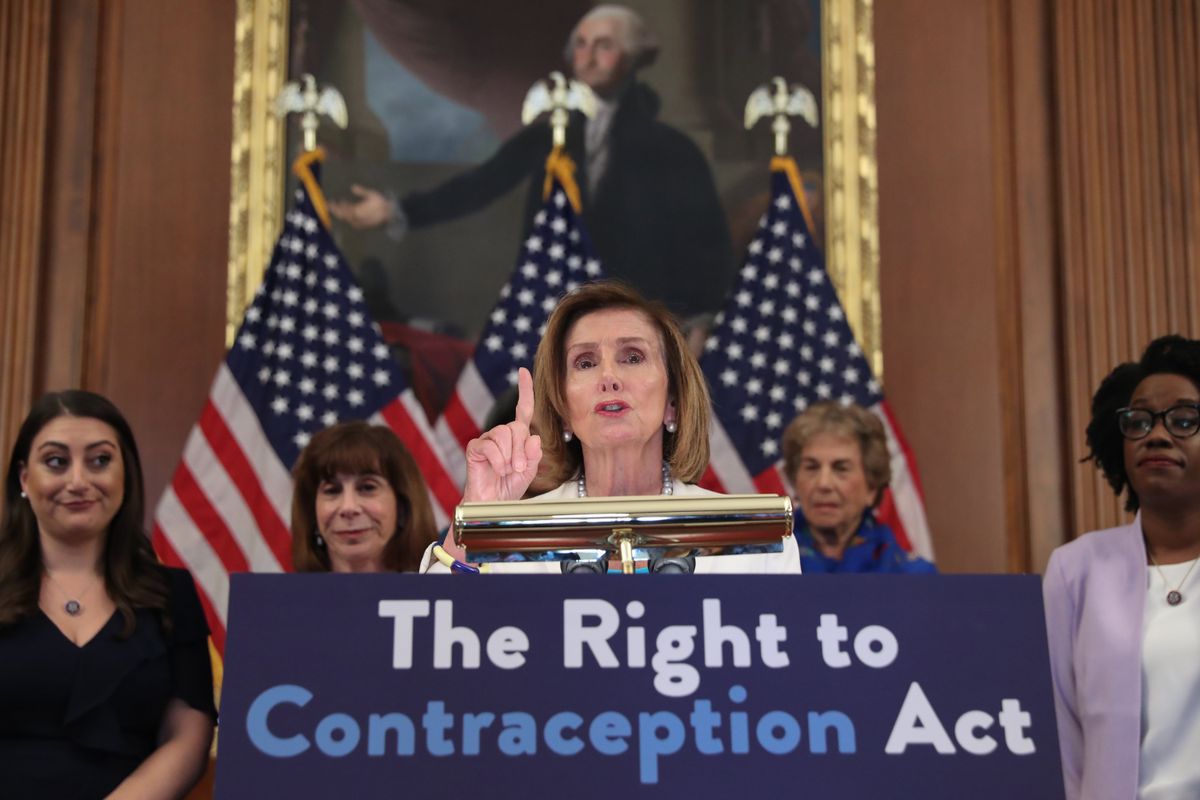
(667, 487)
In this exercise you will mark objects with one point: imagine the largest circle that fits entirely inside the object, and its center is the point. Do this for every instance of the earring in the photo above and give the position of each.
(24, 496)
(568, 436)
(672, 426)
(320, 540)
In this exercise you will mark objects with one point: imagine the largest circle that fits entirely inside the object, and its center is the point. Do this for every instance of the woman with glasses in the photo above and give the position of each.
(1123, 604)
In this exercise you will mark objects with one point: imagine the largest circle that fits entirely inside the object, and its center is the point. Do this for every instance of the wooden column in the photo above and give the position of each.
(1027, 292)
(967, 266)
(24, 85)
(115, 196)
(160, 256)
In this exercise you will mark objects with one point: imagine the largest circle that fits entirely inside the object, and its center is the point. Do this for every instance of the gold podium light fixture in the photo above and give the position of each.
(632, 528)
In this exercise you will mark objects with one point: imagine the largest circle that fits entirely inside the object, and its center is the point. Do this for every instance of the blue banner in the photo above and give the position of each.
(645, 686)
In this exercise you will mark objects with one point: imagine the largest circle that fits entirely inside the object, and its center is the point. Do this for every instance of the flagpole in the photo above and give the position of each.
(556, 257)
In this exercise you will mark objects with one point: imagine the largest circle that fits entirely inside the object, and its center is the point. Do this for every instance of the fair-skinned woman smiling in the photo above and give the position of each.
(359, 503)
(837, 459)
(1123, 604)
(621, 408)
(105, 681)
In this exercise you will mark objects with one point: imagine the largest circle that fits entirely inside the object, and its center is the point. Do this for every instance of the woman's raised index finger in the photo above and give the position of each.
(524, 397)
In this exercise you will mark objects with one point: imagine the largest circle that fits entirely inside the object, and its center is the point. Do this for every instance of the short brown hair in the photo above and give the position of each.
(355, 448)
(852, 421)
(686, 450)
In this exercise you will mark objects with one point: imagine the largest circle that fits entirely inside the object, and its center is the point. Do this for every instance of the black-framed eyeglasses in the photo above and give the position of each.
(1180, 421)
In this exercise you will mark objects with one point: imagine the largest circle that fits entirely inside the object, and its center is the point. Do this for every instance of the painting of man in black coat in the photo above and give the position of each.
(649, 200)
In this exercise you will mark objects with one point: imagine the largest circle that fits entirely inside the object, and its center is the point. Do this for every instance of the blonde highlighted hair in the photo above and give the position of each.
(685, 451)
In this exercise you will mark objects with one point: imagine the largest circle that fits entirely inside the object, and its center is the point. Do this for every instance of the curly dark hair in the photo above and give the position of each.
(132, 575)
(1174, 355)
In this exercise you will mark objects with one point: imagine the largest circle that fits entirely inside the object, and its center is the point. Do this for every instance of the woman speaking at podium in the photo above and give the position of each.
(1123, 604)
(620, 407)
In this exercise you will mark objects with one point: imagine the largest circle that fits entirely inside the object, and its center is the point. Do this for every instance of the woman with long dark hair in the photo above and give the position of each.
(105, 680)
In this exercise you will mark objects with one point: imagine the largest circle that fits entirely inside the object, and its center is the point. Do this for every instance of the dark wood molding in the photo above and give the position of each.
(25, 44)
(1009, 315)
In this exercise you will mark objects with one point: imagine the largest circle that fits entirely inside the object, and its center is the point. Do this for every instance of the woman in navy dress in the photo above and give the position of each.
(105, 680)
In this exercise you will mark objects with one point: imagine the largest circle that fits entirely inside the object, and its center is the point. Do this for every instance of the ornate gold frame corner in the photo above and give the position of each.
(851, 170)
(257, 154)
(851, 175)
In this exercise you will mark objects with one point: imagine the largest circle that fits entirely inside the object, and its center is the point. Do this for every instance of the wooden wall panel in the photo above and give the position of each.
(115, 225)
(968, 272)
(1041, 463)
(163, 203)
(937, 270)
(1093, 197)
(1129, 170)
(1027, 296)
(70, 220)
(25, 43)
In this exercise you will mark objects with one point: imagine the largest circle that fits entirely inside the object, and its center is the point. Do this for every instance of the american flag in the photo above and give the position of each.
(556, 257)
(781, 343)
(307, 355)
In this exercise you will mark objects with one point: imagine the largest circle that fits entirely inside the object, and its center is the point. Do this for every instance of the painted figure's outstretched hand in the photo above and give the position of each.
(368, 209)
(502, 462)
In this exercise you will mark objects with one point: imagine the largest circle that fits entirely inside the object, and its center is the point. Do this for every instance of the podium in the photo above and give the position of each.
(645, 686)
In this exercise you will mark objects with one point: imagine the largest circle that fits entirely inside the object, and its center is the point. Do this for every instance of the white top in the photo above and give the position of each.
(785, 562)
(1170, 764)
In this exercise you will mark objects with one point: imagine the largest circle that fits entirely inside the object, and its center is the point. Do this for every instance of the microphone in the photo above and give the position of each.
(683, 565)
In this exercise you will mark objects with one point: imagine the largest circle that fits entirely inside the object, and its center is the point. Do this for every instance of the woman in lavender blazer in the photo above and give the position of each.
(1123, 604)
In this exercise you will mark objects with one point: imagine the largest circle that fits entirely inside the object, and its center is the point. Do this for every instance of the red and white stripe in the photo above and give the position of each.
(405, 416)
(228, 506)
(462, 419)
(903, 505)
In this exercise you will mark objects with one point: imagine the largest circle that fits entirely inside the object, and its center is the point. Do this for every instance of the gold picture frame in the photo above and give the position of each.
(850, 174)
(257, 153)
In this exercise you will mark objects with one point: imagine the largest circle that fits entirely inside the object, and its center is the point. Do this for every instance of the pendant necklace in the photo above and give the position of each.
(1174, 597)
(73, 606)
